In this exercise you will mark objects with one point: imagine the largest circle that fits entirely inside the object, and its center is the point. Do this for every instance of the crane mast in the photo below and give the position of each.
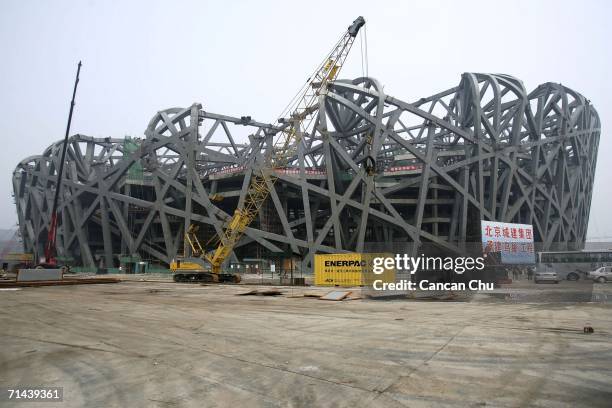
(299, 122)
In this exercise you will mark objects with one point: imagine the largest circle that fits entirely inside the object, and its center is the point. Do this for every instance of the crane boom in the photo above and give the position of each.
(301, 115)
(50, 249)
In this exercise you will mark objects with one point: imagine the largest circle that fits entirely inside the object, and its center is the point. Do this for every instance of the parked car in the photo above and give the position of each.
(576, 275)
(601, 275)
(548, 276)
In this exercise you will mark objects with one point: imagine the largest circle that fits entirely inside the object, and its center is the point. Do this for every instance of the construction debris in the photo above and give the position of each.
(261, 292)
(65, 281)
(336, 295)
(157, 290)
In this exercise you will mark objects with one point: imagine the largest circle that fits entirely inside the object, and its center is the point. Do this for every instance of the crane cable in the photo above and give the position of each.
(370, 162)
(361, 46)
(367, 60)
(363, 37)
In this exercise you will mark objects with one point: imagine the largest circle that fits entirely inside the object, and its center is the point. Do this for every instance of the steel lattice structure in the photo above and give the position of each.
(485, 149)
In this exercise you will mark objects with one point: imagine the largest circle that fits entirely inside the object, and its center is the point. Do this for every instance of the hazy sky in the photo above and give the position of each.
(249, 58)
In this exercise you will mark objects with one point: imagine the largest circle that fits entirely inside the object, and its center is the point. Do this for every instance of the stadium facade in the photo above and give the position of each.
(375, 169)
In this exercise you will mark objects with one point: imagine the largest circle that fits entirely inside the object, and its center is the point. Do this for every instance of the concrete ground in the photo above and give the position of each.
(157, 344)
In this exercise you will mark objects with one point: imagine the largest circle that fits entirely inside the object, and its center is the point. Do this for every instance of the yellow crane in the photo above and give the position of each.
(301, 113)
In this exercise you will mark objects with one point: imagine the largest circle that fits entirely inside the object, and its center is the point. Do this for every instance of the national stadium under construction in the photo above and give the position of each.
(373, 169)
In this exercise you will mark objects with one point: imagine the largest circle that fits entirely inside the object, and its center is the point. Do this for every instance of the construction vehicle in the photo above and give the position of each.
(50, 261)
(294, 122)
(193, 268)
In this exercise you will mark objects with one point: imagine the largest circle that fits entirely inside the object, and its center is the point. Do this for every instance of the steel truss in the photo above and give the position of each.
(485, 149)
